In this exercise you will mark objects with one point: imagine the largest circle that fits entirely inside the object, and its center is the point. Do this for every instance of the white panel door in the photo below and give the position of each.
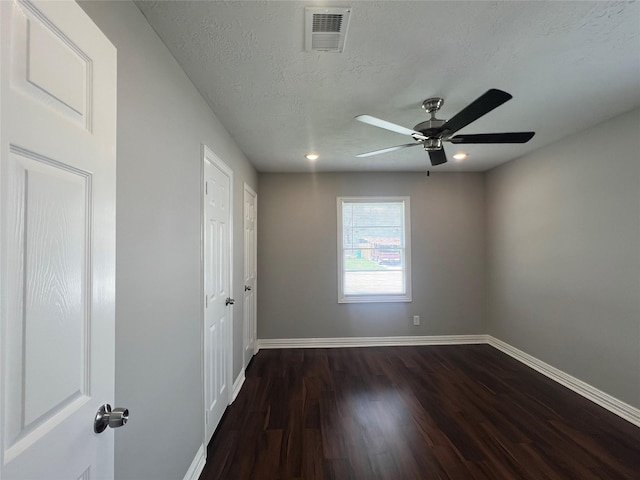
(217, 289)
(250, 272)
(57, 275)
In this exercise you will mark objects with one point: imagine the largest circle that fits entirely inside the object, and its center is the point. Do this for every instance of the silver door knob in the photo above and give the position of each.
(105, 417)
(229, 301)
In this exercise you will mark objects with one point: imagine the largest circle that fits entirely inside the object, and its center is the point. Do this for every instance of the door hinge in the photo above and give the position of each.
(206, 301)
(206, 188)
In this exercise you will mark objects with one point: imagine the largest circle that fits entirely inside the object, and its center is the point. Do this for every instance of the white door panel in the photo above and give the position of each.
(57, 283)
(218, 179)
(250, 273)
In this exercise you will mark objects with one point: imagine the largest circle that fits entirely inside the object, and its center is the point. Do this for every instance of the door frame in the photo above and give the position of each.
(253, 327)
(208, 154)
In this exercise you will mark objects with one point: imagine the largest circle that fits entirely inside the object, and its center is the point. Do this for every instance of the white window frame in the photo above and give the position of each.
(371, 297)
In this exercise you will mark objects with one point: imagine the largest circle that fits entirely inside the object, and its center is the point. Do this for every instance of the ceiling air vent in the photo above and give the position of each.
(325, 29)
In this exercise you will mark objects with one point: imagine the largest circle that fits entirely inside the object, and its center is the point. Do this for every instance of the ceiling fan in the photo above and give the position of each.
(431, 133)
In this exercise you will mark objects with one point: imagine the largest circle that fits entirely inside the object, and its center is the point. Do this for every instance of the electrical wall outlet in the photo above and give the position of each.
(416, 319)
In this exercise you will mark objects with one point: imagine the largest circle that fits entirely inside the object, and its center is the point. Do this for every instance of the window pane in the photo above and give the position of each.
(374, 282)
(380, 223)
(373, 249)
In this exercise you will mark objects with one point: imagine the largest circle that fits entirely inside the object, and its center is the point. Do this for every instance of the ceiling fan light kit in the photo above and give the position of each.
(431, 133)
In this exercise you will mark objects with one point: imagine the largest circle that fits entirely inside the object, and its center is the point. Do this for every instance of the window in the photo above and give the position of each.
(374, 255)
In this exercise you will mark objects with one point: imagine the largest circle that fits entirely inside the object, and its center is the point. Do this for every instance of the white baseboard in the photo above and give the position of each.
(369, 341)
(237, 385)
(196, 467)
(618, 407)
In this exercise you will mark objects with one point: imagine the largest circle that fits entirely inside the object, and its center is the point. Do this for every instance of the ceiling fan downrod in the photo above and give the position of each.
(428, 127)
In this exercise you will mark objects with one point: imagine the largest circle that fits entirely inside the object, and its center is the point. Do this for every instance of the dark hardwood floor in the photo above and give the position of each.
(434, 412)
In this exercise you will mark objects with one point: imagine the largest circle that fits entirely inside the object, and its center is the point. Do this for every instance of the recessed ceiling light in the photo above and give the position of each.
(312, 156)
(460, 156)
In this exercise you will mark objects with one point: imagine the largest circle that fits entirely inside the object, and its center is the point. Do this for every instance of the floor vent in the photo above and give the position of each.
(325, 29)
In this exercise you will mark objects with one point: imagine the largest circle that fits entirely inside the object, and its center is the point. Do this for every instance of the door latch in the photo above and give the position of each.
(229, 301)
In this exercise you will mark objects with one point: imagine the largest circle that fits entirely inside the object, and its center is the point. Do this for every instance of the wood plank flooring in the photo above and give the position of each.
(434, 412)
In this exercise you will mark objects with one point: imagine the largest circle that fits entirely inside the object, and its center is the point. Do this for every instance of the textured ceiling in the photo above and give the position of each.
(568, 65)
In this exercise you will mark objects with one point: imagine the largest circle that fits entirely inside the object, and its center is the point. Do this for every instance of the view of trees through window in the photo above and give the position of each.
(373, 247)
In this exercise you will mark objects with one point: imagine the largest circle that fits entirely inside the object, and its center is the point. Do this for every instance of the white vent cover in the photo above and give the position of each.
(325, 29)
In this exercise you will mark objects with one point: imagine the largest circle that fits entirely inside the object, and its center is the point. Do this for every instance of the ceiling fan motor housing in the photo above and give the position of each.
(429, 127)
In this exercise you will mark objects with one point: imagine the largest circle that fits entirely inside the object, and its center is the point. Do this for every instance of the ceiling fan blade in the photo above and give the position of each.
(480, 106)
(377, 122)
(437, 157)
(512, 137)
(387, 150)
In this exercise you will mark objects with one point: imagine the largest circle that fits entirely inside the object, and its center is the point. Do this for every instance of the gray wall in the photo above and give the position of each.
(162, 121)
(297, 248)
(563, 256)
(562, 251)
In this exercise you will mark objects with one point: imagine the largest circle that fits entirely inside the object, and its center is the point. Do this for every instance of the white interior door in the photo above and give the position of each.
(218, 306)
(250, 272)
(57, 275)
